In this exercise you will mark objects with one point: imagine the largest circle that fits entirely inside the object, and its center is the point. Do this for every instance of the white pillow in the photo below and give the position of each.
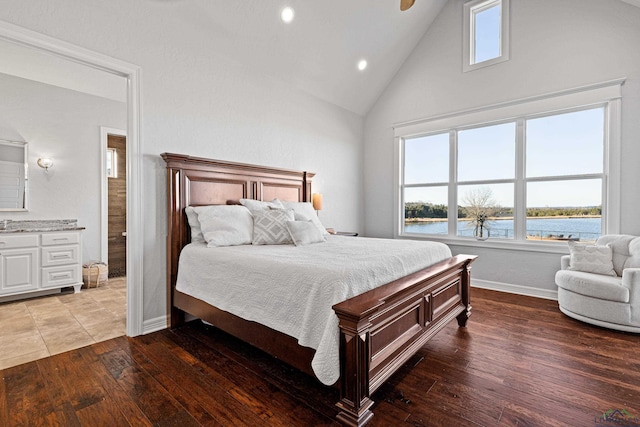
(225, 225)
(591, 258)
(304, 212)
(270, 227)
(259, 205)
(304, 233)
(192, 218)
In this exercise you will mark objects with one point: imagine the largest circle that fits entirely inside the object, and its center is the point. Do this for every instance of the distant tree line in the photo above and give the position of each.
(425, 210)
(417, 210)
(582, 211)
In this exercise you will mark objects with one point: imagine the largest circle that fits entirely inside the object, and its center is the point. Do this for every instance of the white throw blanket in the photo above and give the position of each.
(292, 288)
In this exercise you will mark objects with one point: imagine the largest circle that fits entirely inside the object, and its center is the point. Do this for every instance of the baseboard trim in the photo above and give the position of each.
(515, 289)
(153, 325)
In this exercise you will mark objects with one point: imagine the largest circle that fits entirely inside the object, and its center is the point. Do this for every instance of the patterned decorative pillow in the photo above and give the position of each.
(591, 258)
(270, 227)
(304, 233)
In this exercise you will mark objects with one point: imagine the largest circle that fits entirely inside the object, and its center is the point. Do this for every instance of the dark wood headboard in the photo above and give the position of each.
(194, 181)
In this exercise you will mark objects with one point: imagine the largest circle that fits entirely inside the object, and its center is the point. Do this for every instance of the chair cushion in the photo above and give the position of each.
(593, 285)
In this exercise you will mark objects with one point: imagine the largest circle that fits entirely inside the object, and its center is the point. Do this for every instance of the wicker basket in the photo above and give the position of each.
(94, 274)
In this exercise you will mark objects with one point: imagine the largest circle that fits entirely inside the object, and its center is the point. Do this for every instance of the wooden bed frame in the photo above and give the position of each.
(379, 330)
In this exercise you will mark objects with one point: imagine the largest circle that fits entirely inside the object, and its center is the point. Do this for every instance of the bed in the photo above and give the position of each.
(378, 330)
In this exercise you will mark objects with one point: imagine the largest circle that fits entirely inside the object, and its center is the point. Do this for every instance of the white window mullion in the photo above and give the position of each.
(520, 187)
(453, 183)
(398, 219)
(611, 212)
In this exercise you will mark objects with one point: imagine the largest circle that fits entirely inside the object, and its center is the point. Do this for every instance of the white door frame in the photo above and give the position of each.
(104, 190)
(133, 75)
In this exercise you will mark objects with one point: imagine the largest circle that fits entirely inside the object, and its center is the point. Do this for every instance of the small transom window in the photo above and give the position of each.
(486, 33)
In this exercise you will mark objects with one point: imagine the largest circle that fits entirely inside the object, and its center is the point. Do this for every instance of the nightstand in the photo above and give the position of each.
(341, 233)
(346, 233)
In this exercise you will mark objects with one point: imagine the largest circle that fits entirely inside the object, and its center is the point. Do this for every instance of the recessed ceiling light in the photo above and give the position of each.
(362, 64)
(287, 14)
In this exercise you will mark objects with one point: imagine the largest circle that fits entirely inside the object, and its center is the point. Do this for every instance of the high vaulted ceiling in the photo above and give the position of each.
(318, 52)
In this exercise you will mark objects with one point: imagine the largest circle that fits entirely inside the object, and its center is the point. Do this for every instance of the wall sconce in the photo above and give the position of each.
(45, 163)
(316, 201)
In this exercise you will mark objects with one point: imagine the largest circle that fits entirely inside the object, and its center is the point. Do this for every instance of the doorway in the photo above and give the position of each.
(67, 53)
(117, 205)
(114, 201)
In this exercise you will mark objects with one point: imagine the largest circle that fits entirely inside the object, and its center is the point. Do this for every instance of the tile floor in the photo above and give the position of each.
(40, 327)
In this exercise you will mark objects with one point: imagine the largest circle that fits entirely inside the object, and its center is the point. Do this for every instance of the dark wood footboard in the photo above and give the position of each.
(382, 328)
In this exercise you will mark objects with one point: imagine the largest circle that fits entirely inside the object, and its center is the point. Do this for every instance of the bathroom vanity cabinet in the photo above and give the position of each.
(32, 262)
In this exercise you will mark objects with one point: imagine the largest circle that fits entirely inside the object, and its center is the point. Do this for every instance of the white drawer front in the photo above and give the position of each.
(18, 241)
(60, 255)
(58, 277)
(49, 239)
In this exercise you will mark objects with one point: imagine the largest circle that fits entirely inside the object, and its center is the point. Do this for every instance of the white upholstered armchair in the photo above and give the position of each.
(600, 284)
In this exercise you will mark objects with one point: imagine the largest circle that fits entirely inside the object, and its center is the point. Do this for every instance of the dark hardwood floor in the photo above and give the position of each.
(519, 362)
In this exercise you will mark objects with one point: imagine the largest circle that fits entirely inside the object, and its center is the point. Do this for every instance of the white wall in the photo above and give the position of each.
(64, 125)
(555, 45)
(196, 101)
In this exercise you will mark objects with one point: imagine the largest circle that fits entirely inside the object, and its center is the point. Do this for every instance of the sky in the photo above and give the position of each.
(487, 35)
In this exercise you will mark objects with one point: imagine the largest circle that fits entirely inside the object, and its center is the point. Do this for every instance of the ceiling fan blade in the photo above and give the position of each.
(406, 4)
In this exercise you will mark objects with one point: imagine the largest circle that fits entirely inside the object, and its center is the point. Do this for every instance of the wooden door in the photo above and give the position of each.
(117, 212)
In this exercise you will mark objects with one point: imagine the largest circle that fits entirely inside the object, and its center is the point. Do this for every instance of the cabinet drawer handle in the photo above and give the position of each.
(60, 256)
(60, 238)
(61, 276)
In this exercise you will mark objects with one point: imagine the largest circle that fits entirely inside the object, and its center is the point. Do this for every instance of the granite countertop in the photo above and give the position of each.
(38, 225)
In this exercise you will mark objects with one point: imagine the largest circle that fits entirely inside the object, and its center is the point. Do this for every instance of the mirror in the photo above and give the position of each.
(13, 176)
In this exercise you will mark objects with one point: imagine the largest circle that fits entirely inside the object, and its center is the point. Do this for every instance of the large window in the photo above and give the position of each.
(535, 177)
(486, 33)
(426, 167)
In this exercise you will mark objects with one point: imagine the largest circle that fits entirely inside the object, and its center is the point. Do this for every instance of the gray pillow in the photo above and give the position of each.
(259, 205)
(304, 233)
(305, 211)
(591, 258)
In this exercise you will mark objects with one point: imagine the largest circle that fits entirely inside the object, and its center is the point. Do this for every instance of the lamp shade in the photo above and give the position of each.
(316, 200)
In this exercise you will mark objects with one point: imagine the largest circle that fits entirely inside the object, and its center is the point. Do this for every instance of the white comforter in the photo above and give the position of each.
(292, 288)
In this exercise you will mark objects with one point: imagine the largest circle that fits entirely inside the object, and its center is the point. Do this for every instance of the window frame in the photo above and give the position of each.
(468, 40)
(111, 163)
(605, 94)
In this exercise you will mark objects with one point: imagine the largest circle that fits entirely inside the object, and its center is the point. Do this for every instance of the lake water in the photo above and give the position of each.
(580, 228)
